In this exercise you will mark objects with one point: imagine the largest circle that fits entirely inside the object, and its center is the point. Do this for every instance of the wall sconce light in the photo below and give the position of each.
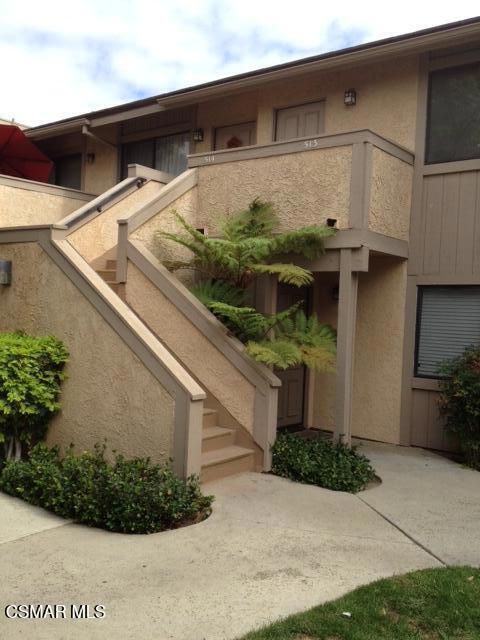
(90, 158)
(5, 272)
(335, 293)
(350, 97)
(198, 135)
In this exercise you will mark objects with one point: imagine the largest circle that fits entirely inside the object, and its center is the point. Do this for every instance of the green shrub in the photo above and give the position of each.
(128, 496)
(31, 371)
(460, 402)
(321, 462)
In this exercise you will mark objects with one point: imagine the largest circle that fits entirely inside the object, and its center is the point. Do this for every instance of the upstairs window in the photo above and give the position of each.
(453, 121)
(448, 321)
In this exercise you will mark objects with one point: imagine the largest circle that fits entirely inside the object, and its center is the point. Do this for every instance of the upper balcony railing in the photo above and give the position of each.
(359, 179)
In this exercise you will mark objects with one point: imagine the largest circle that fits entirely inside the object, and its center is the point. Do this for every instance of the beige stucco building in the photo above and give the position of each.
(380, 140)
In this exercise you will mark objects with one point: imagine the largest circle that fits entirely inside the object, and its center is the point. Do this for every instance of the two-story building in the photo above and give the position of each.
(380, 140)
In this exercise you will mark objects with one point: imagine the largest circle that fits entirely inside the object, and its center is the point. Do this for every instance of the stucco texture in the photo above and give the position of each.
(163, 249)
(239, 108)
(100, 234)
(198, 354)
(22, 207)
(102, 174)
(390, 196)
(108, 393)
(377, 378)
(386, 102)
(306, 188)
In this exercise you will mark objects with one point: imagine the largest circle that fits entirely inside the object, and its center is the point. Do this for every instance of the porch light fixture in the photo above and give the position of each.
(350, 98)
(5, 272)
(198, 135)
(90, 158)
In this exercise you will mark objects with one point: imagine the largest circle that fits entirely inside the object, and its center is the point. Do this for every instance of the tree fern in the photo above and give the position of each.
(229, 265)
(281, 354)
(288, 273)
(208, 291)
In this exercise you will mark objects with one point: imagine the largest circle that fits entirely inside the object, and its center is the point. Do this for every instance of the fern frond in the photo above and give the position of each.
(288, 273)
(318, 358)
(259, 219)
(306, 241)
(209, 291)
(245, 322)
(277, 353)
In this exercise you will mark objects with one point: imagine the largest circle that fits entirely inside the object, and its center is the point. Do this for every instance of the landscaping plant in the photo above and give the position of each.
(322, 462)
(31, 372)
(460, 402)
(127, 496)
(248, 249)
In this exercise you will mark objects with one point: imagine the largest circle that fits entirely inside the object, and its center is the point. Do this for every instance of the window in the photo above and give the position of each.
(448, 320)
(453, 129)
(68, 171)
(168, 153)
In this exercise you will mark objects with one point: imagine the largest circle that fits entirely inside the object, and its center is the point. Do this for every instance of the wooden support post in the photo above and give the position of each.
(347, 311)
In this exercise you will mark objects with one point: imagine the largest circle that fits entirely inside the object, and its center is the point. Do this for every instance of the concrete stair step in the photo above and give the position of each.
(210, 417)
(109, 275)
(214, 438)
(226, 462)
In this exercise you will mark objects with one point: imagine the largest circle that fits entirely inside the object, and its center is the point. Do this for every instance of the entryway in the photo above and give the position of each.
(291, 396)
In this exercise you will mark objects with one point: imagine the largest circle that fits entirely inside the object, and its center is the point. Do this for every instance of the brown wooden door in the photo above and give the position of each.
(236, 135)
(300, 121)
(292, 392)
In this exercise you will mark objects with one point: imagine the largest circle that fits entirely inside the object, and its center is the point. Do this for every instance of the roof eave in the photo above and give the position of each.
(362, 54)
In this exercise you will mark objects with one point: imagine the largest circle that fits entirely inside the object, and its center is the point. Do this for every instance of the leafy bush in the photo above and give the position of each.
(321, 462)
(460, 402)
(128, 496)
(31, 371)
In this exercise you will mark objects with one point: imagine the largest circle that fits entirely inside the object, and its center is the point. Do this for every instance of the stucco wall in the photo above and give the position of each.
(100, 234)
(192, 348)
(163, 249)
(386, 102)
(390, 195)
(108, 393)
(19, 207)
(103, 173)
(378, 352)
(235, 109)
(306, 188)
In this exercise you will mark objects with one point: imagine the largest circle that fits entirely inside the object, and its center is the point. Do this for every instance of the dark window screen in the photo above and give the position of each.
(453, 125)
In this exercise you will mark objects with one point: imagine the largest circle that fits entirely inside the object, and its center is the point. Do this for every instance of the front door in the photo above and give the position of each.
(300, 121)
(236, 135)
(291, 393)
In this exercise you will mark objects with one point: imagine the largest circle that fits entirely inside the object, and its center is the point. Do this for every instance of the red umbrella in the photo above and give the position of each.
(19, 156)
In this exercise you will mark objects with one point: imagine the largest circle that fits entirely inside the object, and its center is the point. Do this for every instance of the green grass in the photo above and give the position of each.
(433, 604)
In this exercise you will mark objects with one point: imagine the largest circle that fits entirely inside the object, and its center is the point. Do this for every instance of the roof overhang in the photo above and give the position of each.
(450, 35)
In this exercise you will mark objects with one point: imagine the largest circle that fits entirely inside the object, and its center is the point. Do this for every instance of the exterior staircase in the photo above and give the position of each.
(221, 456)
(108, 272)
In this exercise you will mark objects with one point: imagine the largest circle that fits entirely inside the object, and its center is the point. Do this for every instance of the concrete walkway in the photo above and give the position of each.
(271, 548)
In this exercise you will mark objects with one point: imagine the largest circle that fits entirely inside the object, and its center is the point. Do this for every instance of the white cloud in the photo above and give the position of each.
(60, 59)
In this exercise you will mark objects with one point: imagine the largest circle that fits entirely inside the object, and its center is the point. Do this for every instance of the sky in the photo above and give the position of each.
(62, 58)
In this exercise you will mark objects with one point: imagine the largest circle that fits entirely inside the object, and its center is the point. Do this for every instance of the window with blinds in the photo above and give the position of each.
(166, 153)
(448, 320)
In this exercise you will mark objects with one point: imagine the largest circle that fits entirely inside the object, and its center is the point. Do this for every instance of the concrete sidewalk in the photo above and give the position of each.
(271, 548)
